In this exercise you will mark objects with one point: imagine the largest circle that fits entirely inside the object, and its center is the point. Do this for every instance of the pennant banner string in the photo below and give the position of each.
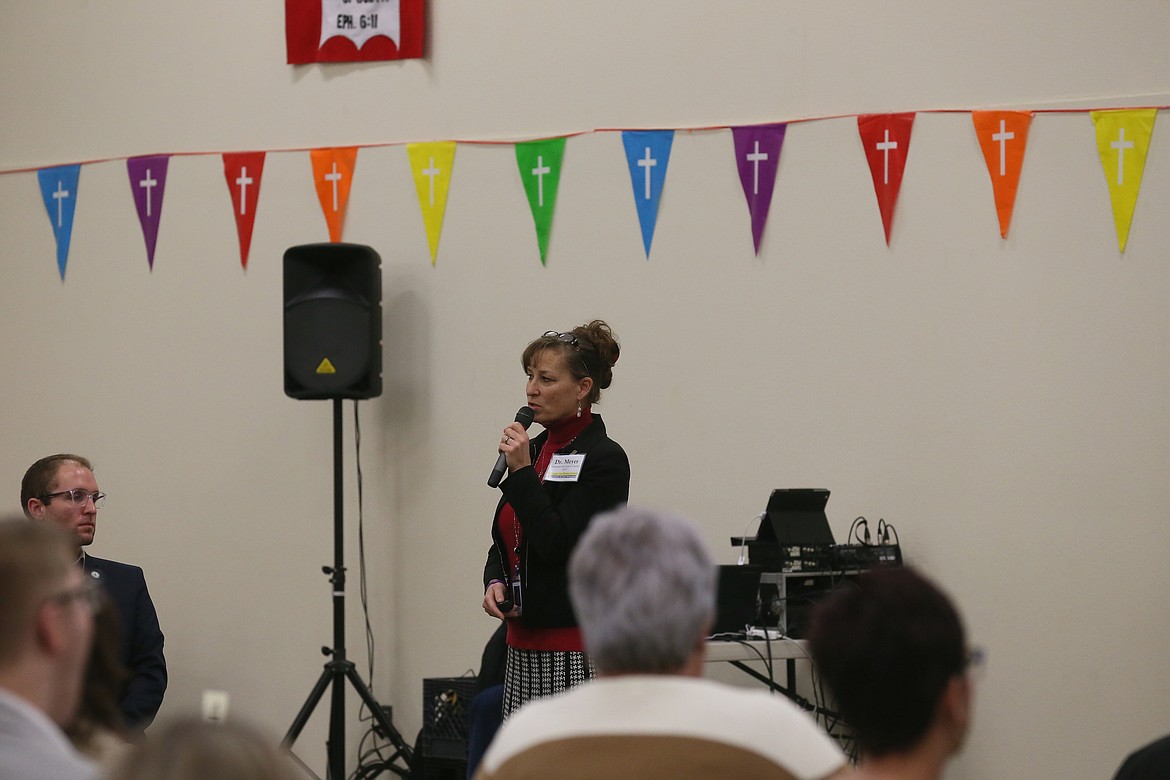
(1123, 139)
(570, 134)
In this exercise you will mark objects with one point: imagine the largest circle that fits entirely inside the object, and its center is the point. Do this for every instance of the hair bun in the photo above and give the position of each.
(599, 338)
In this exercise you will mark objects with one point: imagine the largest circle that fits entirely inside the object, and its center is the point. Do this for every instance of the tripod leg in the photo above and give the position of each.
(336, 747)
(302, 718)
(401, 747)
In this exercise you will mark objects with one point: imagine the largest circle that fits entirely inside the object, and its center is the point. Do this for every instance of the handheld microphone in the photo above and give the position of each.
(524, 417)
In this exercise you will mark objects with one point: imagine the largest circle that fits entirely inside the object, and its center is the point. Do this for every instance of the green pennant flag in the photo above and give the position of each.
(540, 171)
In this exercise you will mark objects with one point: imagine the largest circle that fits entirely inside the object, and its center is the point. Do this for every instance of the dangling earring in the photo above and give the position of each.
(578, 408)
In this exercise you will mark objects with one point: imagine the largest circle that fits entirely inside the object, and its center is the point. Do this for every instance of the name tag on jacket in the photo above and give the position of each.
(564, 468)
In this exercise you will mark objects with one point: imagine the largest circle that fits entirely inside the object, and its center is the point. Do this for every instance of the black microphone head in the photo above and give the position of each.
(524, 416)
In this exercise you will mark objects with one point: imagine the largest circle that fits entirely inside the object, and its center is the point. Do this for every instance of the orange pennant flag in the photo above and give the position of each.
(332, 175)
(1003, 135)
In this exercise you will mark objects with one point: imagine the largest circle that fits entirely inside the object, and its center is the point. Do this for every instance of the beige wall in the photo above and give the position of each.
(1002, 403)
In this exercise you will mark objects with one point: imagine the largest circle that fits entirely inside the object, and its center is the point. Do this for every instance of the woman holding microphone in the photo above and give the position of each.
(556, 483)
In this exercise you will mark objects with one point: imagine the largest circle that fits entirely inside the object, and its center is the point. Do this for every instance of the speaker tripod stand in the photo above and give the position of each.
(339, 669)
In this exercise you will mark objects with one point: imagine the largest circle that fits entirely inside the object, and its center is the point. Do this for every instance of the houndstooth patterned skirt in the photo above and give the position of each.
(534, 674)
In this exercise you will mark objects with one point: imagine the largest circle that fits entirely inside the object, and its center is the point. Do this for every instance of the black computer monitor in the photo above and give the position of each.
(737, 598)
(796, 516)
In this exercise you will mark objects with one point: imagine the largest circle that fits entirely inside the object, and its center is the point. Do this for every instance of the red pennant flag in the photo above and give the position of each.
(243, 171)
(886, 138)
(1003, 136)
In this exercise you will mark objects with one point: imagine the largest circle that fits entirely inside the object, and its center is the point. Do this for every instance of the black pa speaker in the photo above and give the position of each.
(332, 321)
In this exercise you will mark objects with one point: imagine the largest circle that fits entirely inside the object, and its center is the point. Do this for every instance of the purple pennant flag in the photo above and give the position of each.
(148, 179)
(757, 155)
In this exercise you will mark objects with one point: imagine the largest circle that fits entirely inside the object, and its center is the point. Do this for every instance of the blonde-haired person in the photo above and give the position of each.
(97, 730)
(192, 749)
(46, 626)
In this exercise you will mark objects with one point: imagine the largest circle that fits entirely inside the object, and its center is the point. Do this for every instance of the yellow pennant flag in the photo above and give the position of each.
(1123, 138)
(431, 165)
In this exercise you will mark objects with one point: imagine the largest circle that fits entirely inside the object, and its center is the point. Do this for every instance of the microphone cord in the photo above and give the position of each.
(743, 539)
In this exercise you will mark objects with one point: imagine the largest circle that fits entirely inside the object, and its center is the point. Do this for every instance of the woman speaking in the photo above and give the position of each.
(556, 483)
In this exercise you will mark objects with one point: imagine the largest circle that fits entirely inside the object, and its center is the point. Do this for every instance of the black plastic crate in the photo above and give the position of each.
(446, 701)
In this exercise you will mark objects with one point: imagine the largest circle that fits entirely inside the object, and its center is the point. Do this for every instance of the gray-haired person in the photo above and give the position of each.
(643, 586)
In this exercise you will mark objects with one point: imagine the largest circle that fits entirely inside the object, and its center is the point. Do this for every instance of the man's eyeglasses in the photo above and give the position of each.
(88, 593)
(78, 496)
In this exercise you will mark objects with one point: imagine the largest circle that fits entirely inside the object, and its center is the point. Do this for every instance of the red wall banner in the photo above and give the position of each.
(353, 30)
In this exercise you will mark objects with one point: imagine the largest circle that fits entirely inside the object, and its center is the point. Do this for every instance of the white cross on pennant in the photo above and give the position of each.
(754, 158)
(1121, 145)
(885, 147)
(149, 183)
(243, 180)
(334, 177)
(647, 163)
(58, 196)
(1003, 136)
(431, 173)
(539, 171)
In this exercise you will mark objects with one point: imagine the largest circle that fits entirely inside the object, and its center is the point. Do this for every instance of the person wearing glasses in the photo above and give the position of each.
(556, 483)
(892, 651)
(61, 490)
(46, 626)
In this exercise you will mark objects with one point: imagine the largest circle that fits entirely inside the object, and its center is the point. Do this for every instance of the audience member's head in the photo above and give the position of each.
(643, 587)
(893, 653)
(1149, 762)
(192, 749)
(39, 478)
(61, 489)
(99, 718)
(46, 617)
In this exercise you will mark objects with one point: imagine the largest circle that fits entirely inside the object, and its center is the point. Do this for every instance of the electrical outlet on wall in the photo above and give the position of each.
(215, 706)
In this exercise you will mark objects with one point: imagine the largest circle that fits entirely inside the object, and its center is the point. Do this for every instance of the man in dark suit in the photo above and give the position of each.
(61, 489)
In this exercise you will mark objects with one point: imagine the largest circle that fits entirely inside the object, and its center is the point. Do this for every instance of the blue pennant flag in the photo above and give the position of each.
(647, 153)
(59, 190)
